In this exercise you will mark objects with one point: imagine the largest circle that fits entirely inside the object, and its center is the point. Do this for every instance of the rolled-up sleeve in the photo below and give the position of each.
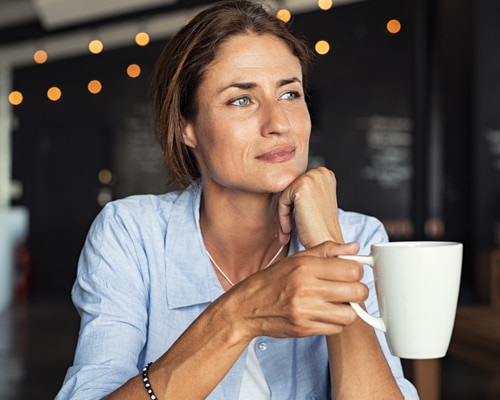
(111, 297)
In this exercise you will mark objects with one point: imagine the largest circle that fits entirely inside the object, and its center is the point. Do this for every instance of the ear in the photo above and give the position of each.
(188, 135)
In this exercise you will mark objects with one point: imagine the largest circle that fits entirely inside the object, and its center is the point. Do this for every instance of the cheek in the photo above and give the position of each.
(303, 122)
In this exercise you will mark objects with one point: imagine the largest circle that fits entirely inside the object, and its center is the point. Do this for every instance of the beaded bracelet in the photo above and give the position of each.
(147, 385)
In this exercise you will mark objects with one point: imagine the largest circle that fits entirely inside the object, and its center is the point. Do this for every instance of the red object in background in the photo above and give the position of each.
(23, 271)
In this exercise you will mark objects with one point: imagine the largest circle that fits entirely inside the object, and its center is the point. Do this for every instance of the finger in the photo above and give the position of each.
(344, 292)
(285, 211)
(336, 313)
(283, 237)
(323, 320)
(331, 249)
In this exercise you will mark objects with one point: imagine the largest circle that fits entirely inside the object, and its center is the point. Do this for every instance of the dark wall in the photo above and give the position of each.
(60, 147)
(365, 127)
(486, 143)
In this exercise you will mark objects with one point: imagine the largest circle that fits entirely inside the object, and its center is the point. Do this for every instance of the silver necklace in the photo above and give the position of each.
(227, 278)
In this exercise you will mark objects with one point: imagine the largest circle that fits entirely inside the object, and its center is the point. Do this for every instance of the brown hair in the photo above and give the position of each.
(182, 63)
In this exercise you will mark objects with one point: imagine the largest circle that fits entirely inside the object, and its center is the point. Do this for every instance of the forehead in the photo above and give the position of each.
(253, 54)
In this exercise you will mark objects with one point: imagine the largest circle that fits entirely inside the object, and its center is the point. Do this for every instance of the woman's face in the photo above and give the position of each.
(252, 128)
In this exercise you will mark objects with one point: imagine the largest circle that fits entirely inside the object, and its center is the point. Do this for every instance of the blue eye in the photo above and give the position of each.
(291, 95)
(241, 102)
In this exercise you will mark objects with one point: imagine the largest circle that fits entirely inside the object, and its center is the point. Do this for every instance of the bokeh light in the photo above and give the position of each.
(393, 26)
(284, 15)
(322, 47)
(133, 70)
(15, 98)
(94, 86)
(142, 39)
(325, 4)
(40, 56)
(96, 46)
(54, 93)
(105, 176)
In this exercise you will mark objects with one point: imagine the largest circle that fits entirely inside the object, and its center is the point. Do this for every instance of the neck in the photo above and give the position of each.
(239, 218)
(239, 230)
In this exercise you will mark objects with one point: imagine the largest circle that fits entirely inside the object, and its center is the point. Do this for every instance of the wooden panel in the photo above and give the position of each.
(427, 378)
(476, 336)
(495, 279)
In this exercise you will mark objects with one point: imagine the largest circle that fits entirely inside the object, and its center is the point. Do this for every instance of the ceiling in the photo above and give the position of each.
(27, 19)
(64, 27)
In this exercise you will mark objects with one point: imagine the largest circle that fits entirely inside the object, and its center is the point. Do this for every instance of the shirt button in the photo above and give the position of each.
(312, 397)
(262, 346)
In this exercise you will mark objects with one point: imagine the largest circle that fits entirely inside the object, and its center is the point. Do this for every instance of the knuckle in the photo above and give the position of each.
(328, 173)
(360, 291)
(349, 315)
(355, 271)
(295, 317)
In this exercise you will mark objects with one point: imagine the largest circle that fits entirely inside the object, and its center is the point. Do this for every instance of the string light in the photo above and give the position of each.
(40, 56)
(133, 70)
(284, 15)
(54, 93)
(322, 47)
(96, 46)
(393, 26)
(94, 86)
(15, 98)
(325, 4)
(142, 39)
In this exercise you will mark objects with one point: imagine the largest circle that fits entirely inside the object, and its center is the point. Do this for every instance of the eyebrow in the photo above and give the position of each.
(251, 85)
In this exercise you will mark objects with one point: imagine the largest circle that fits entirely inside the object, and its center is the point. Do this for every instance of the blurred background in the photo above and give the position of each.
(405, 110)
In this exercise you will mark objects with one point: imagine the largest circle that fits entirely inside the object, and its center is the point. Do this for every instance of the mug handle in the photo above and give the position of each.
(376, 322)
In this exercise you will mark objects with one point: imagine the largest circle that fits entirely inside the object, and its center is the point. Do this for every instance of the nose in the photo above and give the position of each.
(275, 119)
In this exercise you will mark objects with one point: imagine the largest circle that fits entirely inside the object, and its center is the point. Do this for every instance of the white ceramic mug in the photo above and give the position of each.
(417, 285)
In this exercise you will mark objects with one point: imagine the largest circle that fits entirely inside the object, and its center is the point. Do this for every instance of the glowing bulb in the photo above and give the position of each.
(393, 26)
(284, 15)
(322, 47)
(15, 98)
(94, 86)
(133, 70)
(54, 93)
(325, 4)
(95, 46)
(40, 56)
(142, 39)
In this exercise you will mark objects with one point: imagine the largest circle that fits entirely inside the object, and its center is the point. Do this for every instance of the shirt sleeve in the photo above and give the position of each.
(111, 297)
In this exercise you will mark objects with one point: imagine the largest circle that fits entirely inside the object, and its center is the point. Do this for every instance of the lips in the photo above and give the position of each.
(278, 154)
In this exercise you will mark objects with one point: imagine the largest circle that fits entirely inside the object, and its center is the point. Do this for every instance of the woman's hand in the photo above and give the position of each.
(302, 295)
(311, 200)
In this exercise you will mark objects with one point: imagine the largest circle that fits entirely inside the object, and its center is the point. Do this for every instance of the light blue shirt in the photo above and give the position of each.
(144, 276)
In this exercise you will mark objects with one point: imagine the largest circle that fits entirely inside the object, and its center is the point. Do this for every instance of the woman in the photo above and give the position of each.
(230, 285)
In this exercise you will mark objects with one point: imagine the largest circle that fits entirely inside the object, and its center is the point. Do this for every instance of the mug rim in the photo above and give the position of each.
(417, 244)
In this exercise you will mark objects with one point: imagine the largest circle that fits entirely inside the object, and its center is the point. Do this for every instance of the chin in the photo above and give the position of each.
(280, 183)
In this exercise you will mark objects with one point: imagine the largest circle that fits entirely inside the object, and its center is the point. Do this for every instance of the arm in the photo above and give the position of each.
(358, 366)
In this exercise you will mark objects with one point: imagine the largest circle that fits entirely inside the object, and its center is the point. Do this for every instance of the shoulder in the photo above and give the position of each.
(141, 204)
(361, 228)
(142, 210)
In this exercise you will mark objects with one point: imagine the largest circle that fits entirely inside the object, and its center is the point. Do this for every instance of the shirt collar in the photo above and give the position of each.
(191, 279)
